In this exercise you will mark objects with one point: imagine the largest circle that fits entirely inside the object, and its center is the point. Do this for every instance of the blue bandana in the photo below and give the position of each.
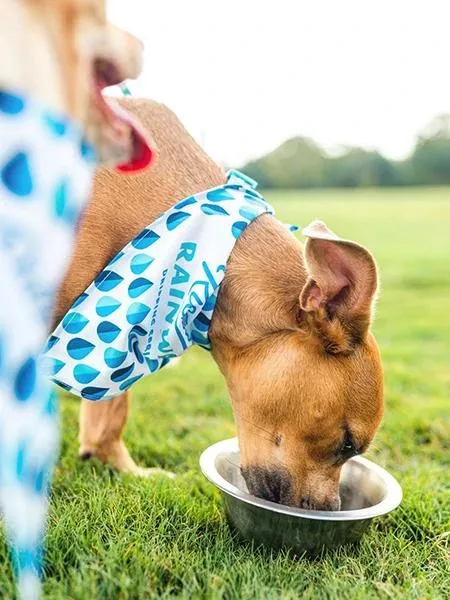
(156, 297)
(45, 176)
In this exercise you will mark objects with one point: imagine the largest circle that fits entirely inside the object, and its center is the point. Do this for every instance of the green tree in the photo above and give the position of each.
(297, 163)
(358, 167)
(301, 163)
(430, 160)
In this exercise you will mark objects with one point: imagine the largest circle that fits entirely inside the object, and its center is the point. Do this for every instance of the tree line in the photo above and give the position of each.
(301, 163)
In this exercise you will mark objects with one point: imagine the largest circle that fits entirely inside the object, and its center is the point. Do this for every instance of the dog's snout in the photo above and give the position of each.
(138, 45)
(270, 484)
(311, 503)
(276, 485)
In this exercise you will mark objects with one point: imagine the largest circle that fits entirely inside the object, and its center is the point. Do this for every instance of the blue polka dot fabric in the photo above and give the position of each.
(45, 175)
(156, 297)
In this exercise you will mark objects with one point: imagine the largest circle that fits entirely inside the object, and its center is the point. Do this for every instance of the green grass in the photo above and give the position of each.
(116, 536)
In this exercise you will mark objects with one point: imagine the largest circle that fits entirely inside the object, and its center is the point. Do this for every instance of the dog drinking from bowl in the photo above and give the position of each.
(290, 327)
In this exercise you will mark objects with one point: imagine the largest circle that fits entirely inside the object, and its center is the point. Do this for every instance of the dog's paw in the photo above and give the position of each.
(86, 455)
(123, 463)
(142, 472)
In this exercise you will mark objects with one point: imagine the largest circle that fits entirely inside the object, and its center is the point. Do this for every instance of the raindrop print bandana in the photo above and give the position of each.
(45, 175)
(156, 298)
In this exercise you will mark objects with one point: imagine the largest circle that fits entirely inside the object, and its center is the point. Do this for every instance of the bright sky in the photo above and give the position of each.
(244, 75)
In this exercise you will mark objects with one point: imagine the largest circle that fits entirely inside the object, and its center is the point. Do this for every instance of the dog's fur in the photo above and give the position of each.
(290, 331)
(51, 50)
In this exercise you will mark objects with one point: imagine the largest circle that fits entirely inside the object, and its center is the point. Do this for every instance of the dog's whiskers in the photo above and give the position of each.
(271, 436)
(237, 465)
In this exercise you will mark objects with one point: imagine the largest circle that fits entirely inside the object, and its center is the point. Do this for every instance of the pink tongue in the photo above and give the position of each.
(143, 152)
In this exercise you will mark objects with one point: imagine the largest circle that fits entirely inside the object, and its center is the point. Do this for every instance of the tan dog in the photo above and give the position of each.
(290, 330)
(63, 53)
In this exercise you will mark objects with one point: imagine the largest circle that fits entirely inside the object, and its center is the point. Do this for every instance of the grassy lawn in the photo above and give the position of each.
(116, 537)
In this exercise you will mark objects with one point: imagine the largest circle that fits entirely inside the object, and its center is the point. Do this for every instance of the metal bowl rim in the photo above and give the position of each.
(390, 502)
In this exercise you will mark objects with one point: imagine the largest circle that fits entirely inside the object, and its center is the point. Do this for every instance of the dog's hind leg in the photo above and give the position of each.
(101, 428)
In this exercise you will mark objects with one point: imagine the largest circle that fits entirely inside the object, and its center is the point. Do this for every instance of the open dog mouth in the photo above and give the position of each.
(105, 73)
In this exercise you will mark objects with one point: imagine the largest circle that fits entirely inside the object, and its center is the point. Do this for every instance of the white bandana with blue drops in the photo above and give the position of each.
(156, 297)
(45, 176)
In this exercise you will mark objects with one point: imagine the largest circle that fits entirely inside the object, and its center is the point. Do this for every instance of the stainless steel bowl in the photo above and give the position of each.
(367, 491)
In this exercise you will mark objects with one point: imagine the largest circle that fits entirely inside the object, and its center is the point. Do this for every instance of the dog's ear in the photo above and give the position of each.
(337, 300)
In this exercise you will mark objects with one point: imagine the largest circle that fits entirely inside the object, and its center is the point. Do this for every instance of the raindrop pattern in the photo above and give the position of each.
(159, 294)
(45, 176)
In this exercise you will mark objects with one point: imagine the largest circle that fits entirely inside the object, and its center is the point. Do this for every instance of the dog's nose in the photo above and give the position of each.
(275, 485)
(270, 484)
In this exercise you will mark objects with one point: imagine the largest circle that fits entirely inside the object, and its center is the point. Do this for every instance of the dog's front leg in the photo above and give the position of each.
(101, 429)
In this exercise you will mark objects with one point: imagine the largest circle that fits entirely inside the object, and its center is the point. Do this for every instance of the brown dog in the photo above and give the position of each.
(62, 53)
(290, 333)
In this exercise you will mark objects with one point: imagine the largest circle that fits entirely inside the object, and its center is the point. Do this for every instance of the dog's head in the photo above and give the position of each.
(94, 54)
(308, 394)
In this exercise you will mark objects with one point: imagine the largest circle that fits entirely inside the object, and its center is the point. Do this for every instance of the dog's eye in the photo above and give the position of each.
(347, 449)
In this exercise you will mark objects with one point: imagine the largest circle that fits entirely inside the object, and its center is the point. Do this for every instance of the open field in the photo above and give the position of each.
(116, 537)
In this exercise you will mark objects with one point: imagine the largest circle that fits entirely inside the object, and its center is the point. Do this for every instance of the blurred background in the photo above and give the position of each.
(304, 94)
